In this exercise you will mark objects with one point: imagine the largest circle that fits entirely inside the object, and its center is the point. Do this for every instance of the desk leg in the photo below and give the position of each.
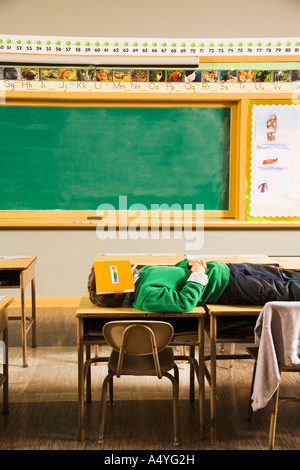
(33, 310)
(213, 365)
(24, 332)
(192, 374)
(5, 371)
(88, 375)
(80, 379)
(201, 377)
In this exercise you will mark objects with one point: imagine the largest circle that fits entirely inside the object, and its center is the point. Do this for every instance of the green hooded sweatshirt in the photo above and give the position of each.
(168, 288)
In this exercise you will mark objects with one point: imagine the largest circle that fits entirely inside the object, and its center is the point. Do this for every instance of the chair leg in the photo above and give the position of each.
(273, 421)
(232, 349)
(175, 383)
(107, 379)
(193, 369)
(111, 392)
(176, 376)
(251, 392)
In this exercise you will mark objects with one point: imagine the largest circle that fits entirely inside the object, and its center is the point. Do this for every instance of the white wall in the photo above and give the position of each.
(65, 256)
(151, 18)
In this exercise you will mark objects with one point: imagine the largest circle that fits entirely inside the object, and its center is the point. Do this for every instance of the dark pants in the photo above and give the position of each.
(256, 284)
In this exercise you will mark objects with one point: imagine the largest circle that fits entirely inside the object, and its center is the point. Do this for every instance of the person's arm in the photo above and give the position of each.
(184, 300)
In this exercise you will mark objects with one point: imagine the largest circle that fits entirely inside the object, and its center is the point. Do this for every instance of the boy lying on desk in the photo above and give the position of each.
(180, 288)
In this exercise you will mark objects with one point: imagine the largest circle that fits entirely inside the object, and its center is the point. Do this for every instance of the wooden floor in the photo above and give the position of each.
(43, 409)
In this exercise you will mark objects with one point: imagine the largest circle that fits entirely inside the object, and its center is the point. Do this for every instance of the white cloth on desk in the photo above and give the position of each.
(277, 332)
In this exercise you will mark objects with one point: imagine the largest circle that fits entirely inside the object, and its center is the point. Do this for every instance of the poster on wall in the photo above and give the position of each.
(275, 161)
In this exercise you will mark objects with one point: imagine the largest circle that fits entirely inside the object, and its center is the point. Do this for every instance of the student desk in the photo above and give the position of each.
(171, 259)
(4, 303)
(292, 263)
(257, 259)
(86, 311)
(17, 273)
(144, 259)
(86, 314)
(215, 313)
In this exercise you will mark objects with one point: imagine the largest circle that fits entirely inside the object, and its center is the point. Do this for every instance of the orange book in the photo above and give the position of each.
(113, 276)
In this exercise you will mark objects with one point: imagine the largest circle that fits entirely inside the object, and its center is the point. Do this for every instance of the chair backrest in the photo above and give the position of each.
(138, 337)
(278, 329)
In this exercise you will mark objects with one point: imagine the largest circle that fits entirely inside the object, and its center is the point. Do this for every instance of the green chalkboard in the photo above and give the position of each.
(76, 158)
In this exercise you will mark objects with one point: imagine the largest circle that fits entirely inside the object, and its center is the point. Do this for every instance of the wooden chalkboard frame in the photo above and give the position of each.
(233, 217)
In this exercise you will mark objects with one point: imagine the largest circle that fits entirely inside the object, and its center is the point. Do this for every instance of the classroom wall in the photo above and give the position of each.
(167, 18)
(65, 256)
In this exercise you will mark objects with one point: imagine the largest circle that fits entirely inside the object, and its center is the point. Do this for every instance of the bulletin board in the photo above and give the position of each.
(273, 163)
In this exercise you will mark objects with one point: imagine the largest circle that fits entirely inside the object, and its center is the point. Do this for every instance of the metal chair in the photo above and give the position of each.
(253, 351)
(140, 348)
(277, 330)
